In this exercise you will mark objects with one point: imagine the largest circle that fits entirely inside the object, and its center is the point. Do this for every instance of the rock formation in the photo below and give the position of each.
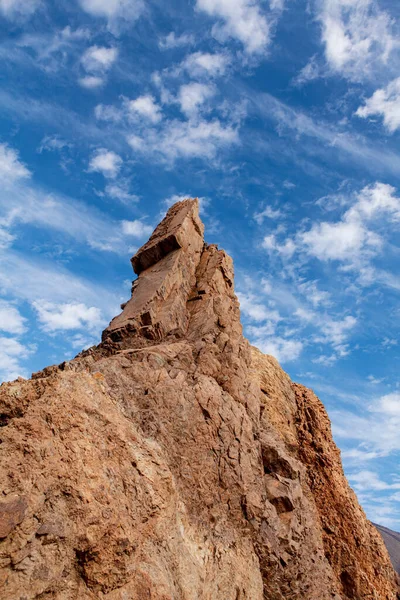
(176, 462)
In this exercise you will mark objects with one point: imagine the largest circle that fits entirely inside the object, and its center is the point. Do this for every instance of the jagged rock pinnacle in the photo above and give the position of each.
(176, 462)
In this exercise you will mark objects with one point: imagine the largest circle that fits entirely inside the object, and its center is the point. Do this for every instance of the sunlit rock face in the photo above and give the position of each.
(176, 462)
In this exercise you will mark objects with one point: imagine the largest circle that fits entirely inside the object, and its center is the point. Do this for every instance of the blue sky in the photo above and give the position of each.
(282, 116)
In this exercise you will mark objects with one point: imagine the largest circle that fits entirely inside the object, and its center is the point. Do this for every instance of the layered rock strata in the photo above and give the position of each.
(176, 462)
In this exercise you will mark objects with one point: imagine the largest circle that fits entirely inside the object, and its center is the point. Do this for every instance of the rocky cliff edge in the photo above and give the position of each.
(176, 462)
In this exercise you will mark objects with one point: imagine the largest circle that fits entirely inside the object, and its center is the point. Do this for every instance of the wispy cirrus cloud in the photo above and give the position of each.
(23, 202)
(278, 322)
(333, 139)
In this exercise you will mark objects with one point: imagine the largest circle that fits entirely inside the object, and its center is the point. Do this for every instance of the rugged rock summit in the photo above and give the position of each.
(176, 462)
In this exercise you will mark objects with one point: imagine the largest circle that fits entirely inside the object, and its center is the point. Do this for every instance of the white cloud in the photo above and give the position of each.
(375, 201)
(313, 294)
(143, 111)
(335, 332)
(267, 213)
(388, 405)
(284, 350)
(344, 241)
(385, 103)
(91, 82)
(368, 480)
(60, 317)
(176, 41)
(277, 5)
(107, 112)
(98, 59)
(351, 239)
(186, 139)
(358, 455)
(18, 9)
(136, 229)
(241, 19)
(325, 360)
(308, 73)
(11, 321)
(52, 143)
(357, 36)
(6, 238)
(328, 331)
(119, 13)
(204, 63)
(255, 310)
(286, 249)
(11, 168)
(145, 107)
(193, 95)
(380, 417)
(82, 341)
(265, 319)
(11, 353)
(106, 162)
(120, 191)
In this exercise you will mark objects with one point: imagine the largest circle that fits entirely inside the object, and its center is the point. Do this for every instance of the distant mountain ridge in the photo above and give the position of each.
(392, 541)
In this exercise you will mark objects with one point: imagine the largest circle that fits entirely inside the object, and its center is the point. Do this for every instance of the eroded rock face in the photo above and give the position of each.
(174, 461)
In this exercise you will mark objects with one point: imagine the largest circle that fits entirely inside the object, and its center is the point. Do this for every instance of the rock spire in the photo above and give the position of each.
(176, 462)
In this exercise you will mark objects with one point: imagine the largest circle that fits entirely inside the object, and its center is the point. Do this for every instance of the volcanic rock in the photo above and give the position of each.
(176, 462)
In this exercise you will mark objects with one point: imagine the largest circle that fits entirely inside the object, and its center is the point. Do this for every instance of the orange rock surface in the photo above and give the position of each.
(176, 462)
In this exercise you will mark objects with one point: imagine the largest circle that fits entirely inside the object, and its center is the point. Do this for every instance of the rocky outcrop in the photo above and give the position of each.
(176, 462)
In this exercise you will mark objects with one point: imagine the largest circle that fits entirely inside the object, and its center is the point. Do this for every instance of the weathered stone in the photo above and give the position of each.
(12, 513)
(175, 462)
(51, 528)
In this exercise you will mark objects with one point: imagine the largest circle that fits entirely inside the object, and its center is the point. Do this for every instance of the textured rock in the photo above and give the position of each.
(175, 462)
